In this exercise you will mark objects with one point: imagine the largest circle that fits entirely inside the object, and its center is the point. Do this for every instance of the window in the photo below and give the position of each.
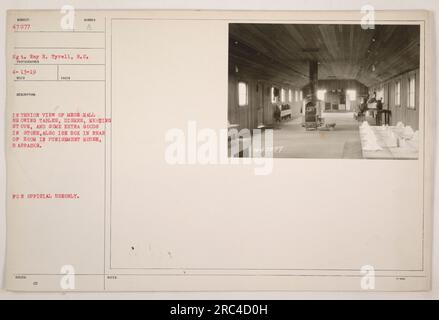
(321, 94)
(296, 95)
(290, 96)
(380, 94)
(398, 93)
(352, 95)
(242, 94)
(274, 94)
(301, 95)
(282, 95)
(411, 92)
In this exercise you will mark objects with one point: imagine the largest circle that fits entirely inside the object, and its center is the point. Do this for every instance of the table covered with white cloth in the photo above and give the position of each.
(389, 142)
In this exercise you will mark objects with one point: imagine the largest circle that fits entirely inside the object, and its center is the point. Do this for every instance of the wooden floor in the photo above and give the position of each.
(291, 140)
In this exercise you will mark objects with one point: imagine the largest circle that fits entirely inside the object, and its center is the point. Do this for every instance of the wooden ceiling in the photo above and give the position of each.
(281, 52)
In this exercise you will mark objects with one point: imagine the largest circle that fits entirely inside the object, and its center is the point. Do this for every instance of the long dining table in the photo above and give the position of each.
(409, 150)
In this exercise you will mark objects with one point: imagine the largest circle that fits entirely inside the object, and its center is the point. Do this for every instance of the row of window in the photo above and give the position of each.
(351, 94)
(298, 95)
(411, 93)
(243, 94)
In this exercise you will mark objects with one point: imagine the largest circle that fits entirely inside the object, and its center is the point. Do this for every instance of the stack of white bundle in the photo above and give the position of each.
(369, 139)
(364, 125)
(408, 132)
(415, 136)
(413, 141)
(401, 143)
(366, 131)
(391, 139)
(400, 125)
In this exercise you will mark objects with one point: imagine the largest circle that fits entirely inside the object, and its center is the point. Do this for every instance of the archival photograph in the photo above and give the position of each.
(324, 91)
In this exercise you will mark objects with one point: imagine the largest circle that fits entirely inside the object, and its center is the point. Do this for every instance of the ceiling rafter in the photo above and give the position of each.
(343, 51)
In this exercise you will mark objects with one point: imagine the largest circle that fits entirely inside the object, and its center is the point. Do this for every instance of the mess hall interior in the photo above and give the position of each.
(326, 90)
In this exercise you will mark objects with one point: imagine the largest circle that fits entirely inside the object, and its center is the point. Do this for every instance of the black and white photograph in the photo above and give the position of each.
(324, 91)
(227, 153)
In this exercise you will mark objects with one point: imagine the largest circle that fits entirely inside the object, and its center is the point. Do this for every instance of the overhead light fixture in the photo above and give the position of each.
(373, 68)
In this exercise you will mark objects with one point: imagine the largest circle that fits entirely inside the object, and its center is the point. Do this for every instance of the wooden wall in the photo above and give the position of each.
(333, 95)
(402, 112)
(259, 101)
